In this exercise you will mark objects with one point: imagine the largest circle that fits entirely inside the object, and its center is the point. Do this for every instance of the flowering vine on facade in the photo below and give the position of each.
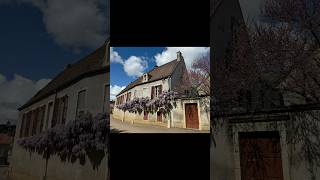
(75, 140)
(164, 103)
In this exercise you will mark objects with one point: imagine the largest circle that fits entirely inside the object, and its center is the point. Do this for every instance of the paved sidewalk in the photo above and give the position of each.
(125, 127)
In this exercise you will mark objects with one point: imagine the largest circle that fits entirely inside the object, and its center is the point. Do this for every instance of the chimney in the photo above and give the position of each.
(179, 56)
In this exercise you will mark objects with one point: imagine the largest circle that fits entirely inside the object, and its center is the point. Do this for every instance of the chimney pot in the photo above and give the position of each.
(179, 56)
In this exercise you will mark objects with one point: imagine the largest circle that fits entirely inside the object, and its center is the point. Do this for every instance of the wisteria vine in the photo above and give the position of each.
(74, 140)
(163, 103)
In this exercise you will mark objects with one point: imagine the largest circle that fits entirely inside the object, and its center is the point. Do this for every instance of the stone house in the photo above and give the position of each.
(80, 87)
(255, 143)
(172, 76)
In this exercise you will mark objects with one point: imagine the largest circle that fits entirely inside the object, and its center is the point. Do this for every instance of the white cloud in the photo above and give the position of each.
(134, 66)
(115, 90)
(74, 23)
(41, 83)
(115, 57)
(15, 93)
(189, 54)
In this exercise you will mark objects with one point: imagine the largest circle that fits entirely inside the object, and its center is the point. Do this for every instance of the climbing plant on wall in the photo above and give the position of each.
(86, 136)
(164, 103)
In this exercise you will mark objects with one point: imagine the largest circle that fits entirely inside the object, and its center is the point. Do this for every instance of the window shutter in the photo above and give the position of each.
(152, 92)
(160, 90)
(35, 121)
(55, 113)
(43, 109)
(26, 132)
(22, 127)
(65, 108)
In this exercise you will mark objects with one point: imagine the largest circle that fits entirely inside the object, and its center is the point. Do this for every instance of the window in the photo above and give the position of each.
(60, 111)
(81, 105)
(145, 77)
(50, 105)
(64, 109)
(156, 91)
(144, 92)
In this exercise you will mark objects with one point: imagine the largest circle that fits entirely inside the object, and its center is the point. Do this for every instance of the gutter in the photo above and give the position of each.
(170, 120)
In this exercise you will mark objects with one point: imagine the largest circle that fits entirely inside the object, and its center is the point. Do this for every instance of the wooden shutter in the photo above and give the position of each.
(160, 89)
(35, 121)
(22, 127)
(48, 114)
(65, 108)
(152, 92)
(28, 123)
(43, 109)
(55, 113)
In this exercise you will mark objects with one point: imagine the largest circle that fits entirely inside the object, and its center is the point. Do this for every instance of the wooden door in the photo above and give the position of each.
(191, 115)
(159, 116)
(145, 115)
(260, 156)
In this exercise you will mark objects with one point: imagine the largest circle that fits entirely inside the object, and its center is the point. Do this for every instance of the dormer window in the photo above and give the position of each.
(145, 77)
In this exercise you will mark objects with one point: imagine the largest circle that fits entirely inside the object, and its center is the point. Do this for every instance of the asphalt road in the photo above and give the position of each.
(125, 127)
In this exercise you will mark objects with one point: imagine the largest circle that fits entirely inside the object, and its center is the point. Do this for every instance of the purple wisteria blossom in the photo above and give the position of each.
(163, 103)
(86, 135)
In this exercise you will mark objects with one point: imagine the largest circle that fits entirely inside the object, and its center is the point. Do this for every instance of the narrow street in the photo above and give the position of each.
(125, 127)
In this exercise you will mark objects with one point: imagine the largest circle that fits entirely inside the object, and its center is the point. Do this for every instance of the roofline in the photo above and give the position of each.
(71, 82)
(169, 76)
(154, 79)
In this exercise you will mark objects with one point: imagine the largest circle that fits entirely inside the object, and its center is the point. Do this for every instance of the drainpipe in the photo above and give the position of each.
(170, 114)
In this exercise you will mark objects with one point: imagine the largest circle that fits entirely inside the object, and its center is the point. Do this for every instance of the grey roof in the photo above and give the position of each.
(91, 64)
(155, 74)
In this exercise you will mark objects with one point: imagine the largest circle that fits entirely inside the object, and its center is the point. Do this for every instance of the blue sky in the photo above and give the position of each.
(38, 38)
(116, 70)
(128, 63)
(27, 49)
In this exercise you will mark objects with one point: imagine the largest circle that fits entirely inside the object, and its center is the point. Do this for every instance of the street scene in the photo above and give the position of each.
(169, 89)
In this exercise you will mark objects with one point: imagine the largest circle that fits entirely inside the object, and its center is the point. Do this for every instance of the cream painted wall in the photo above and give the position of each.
(21, 159)
(139, 88)
(175, 119)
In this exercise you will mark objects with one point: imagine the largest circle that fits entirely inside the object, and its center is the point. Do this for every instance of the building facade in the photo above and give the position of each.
(257, 143)
(81, 87)
(172, 76)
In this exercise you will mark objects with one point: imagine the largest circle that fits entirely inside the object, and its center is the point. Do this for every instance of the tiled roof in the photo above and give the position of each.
(155, 74)
(93, 63)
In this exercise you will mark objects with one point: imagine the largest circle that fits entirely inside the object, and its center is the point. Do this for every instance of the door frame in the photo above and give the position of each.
(184, 112)
(261, 126)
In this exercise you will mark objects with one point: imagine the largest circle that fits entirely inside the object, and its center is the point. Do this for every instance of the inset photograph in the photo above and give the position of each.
(160, 89)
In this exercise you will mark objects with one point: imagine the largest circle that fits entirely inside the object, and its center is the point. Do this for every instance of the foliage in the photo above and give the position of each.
(199, 75)
(72, 141)
(163, 103)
